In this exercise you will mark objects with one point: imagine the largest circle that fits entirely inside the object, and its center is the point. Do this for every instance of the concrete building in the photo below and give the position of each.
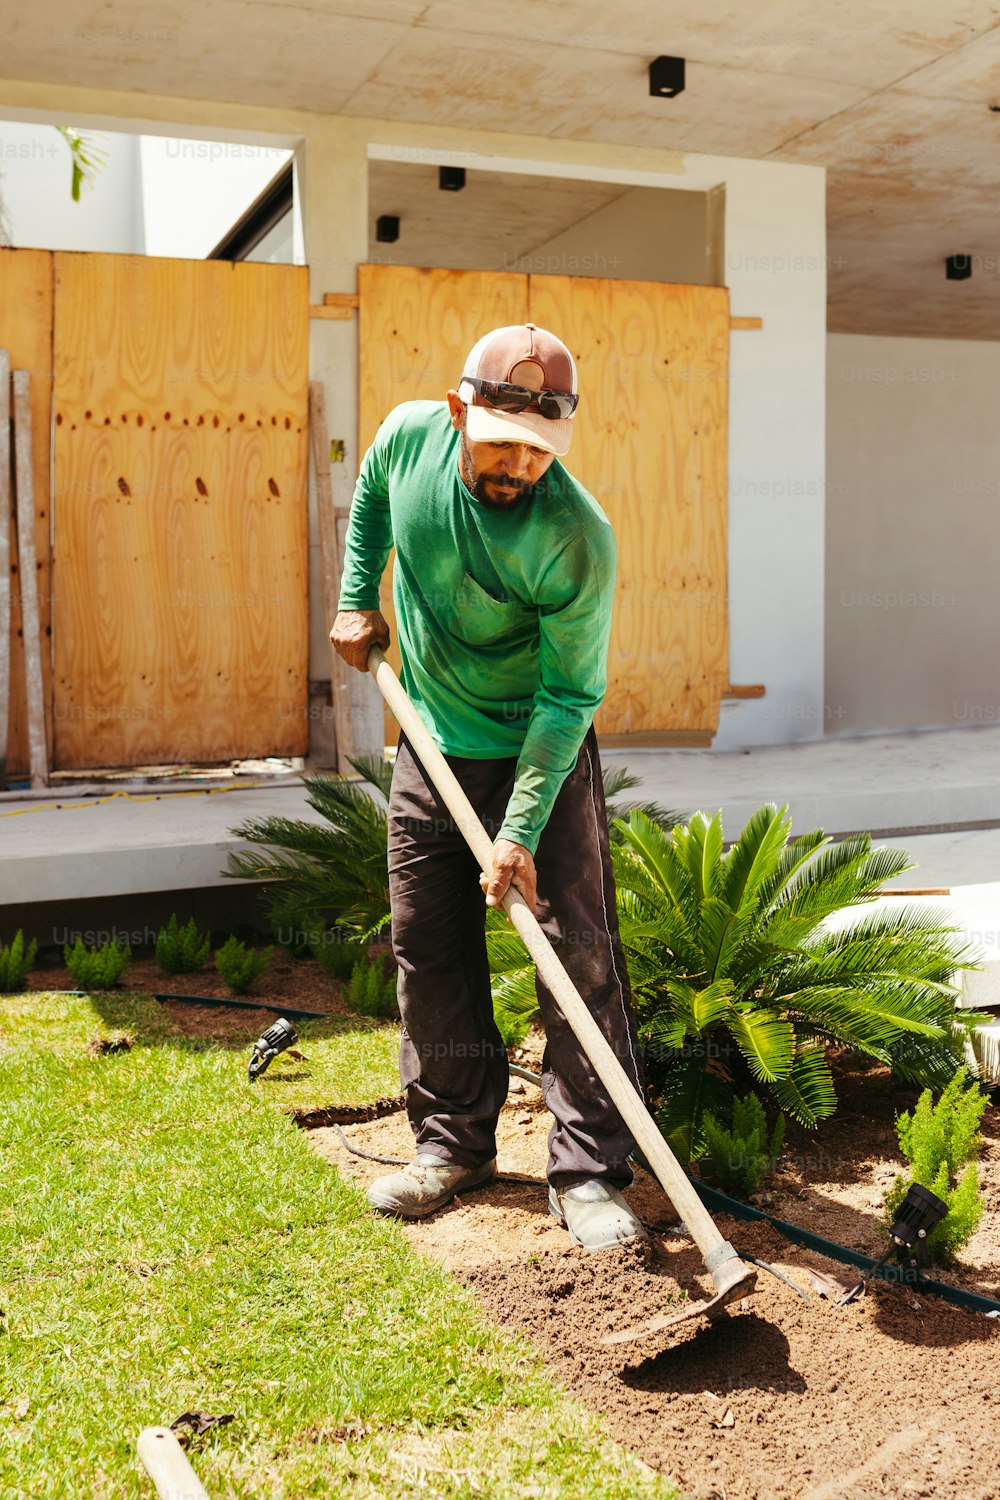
(862, 459)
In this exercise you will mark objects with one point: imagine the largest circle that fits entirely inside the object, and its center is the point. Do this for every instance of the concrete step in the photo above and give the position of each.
(113, 844)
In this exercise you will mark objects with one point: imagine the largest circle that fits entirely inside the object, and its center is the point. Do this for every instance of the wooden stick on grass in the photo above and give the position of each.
(167, 1465)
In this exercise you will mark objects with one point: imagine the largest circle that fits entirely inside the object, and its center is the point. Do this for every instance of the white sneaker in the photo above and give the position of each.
(596, 1215)
(425, 1184)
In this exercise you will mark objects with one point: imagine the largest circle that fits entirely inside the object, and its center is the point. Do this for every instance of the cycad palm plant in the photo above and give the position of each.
(741, 979)
(515, 1002)
(330, 873)
(333, 874)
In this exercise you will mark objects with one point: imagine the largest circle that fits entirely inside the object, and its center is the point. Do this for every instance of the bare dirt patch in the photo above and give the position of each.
(895, 1395)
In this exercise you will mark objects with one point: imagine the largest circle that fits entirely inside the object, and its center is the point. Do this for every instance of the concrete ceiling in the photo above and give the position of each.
(493, 223)
(891, 96)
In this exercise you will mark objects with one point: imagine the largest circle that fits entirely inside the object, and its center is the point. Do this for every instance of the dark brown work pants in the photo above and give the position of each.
(453, 1066)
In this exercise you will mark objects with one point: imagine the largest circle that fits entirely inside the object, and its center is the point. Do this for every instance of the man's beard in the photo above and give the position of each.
(513, 493)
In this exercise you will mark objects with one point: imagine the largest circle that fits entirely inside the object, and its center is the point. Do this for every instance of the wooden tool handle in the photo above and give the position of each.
(720, 1258)
(167, 1465)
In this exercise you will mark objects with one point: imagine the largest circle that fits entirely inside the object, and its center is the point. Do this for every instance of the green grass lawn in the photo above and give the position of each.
(169, 1241)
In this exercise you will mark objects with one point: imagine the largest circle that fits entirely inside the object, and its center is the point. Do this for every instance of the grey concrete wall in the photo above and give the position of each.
(912, 533)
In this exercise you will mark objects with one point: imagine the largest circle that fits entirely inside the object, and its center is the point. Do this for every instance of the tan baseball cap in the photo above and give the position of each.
(519, 354)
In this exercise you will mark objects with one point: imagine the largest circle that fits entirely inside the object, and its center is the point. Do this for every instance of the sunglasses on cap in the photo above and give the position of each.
(515, 398)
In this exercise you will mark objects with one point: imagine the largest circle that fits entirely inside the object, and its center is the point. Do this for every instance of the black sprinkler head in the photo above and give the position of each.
(916, 1216)
(274, 1040)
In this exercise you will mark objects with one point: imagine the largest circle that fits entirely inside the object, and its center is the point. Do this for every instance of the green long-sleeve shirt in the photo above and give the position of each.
(503, 617)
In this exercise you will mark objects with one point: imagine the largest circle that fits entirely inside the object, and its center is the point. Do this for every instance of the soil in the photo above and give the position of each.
(297, 983)
(897, 1394)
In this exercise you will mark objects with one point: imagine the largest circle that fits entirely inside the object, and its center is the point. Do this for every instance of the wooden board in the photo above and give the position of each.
(6, 555)
(180, 524)
(651, 446)
(27, 569)
(415, 328)
(329, 546)
(26, 333)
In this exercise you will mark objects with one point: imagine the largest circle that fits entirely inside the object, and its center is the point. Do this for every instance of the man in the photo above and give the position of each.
(503, 586)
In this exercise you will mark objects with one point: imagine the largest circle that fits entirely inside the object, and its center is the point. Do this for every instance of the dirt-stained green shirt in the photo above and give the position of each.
(503, 616)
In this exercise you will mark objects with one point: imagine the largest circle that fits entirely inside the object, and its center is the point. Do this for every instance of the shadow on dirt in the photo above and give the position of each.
(737, 1353)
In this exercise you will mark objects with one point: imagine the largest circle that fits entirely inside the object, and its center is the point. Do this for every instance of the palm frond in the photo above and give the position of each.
(870, 1012)
(512, 973)
(701, 846)
(374, 768)
(660, 856)
(695, 1084)
(87, 157)
(838, 867)
(514, 993)
(752, 859)
(696, 1009)
(345, 803)
(633, 877)
(618, 779)
(807, 1094)
(667, 946)
(664, 1032)
(302, 897)
(315, 873)
(796, 853)
(844, 881)
(909, 958)
(928, 1062)
(912, 938)
(504, 947)
(767, 1042)
(721, 935)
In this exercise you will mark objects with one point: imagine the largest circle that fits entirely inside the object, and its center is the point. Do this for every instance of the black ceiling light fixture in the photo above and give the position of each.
(451, 179)
(666, 77)
(387, 229)
(958, 267)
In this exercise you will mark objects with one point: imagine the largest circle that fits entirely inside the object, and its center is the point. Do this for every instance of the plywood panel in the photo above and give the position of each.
(26, 331)
(180, 514)
(651, 446)
(415, 327)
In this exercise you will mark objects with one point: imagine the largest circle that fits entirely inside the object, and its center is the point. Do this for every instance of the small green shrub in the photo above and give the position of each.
(240, 965)
(15, 964)
(372, 990)
(96, 968)
(337, 951)
(938, 1141)
(181, 950)
(742, 1156)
